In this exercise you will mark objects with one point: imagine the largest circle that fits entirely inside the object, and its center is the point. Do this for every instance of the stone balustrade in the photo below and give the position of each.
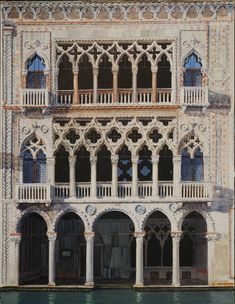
(194, 96)
(188, 191)
(34, 97)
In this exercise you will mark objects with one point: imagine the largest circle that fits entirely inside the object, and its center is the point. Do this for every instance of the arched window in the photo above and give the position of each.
(192, 169)
(35, 77)
(145, 164)
(125, 73)
(65, 77)
(85, 77)
(144, 75)
(34, 169)
(164, 73)
(105, 76)
(192, 74)
(62, 166)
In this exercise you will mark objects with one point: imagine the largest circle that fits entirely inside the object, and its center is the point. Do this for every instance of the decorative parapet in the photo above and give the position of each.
(78, 10)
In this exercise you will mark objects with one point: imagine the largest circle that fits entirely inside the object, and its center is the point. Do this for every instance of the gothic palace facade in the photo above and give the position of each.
(117, 143)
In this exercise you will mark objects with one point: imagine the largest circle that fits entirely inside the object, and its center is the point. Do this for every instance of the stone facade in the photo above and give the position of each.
(34, 27)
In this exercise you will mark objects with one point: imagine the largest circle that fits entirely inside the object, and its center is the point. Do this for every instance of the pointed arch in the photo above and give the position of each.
(192, 66)
(35, 67)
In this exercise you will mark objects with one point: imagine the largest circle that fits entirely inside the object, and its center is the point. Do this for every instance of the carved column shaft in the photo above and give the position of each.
(93, 160)
(176, 175)
(175, 258)
(52, 243)
(72, 180)
(75, 86)
(51, 170)
(95, 84)
(154, 84)
(155, 161)
(89, 258)
(134, 83)
(139, 258)
(134, 176)
(115, 84)
(14, 252)
(114, 160)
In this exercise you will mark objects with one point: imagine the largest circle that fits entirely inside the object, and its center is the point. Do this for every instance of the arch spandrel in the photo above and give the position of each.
(168, 214)
(32, 210)
(79, 213)
(129, 213)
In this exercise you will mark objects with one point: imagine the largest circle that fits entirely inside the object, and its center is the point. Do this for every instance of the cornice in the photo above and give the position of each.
(115, 10)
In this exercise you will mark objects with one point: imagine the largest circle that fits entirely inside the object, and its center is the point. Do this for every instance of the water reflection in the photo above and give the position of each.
(118, 297)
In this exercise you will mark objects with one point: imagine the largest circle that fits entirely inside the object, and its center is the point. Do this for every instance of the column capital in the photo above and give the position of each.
(154, 69)
(75, 70)
(134, 69)
(15, 237)
(95, 70)
(115, 68)
(114, 159)
(50, 160)
(93, 159)
(177, 158)
(51, 236)
(212, 236)
(139, 234)
(176, 235)
(155, 159)
(134, 159)
(72, 159)
(89, 235)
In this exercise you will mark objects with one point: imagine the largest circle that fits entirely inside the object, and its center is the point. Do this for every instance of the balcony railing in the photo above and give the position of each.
(34, 97)
(105, 97)
(185, 191)
(194, 96)
(38, 193)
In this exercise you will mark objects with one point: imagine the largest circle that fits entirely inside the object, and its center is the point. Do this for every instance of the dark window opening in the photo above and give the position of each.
(62, 166)
(85, 76)
(83, 166)
(70, 250)
(105, 76)
(192, 169)
(144, 75)
(35, 76)
(164, 73)
(34, 170)
(65, 77)
(192, 74)
(124, 164)
(145, 164)
(33, 250)
(165, 166)
(125, 73)
(104, 165)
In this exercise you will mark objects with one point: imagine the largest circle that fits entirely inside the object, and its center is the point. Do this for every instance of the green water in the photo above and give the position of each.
(117, 297)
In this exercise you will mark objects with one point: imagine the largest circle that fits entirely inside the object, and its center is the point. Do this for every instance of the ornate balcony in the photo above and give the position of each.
(33, 193)
(167, 191)
(34, 98)
(65, 98)
(194, 96)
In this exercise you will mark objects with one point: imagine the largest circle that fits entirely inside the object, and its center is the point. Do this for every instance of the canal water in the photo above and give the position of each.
(117, 297)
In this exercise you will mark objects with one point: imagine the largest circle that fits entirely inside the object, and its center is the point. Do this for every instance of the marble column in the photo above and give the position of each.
(176, 258)
(21, 167)
(211, 237)
(51, 170)
(139, 281)
(75, 85)
(155, 161)
(177, 176)
(154, 84)
(52, 243)
(95, 84)
(206, 169)
(72, 179)
(14, 253)
(115, 83)
(93, 160)
(89, 258)
(114, 159)
(134, 83)
(56, 94)
(134, 160)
